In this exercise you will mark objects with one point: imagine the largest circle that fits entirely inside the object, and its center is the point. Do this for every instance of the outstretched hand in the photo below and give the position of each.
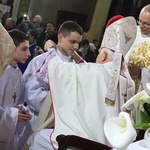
(49, 44)
(76, 57)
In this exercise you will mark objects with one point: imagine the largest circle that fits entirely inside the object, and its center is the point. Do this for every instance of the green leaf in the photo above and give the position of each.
(142, 120)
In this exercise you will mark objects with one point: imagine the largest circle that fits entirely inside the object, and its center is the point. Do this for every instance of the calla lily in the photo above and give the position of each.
(119, 131)
(139, 97)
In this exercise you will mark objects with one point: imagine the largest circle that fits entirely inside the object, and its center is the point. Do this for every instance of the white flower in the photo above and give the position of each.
(119, 131)
(139, 97)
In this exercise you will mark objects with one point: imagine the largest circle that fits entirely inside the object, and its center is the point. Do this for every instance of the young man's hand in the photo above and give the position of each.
(23, 115)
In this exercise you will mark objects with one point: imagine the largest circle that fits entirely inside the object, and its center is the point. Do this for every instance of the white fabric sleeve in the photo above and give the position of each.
(8, 123)
(36, 90)
(34, 93)
(36, 87)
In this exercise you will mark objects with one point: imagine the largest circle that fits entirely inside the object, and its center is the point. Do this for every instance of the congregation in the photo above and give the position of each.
(39, 34)
(56, 81)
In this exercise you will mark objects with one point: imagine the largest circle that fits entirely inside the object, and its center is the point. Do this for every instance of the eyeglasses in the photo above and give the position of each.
(139, 22)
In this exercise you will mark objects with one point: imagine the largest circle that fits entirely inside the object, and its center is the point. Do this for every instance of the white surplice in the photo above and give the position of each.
(36, 89)
(10, 82)
(78, 95)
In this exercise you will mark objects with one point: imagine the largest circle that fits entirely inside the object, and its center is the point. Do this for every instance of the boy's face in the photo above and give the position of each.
(22, 52)
(69, 44)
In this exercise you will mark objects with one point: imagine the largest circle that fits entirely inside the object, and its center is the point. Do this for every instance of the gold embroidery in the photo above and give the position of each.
(114, 76)
(109, 102)
(141, 55)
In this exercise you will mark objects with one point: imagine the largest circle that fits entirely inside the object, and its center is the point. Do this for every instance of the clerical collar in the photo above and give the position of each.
(66, 58)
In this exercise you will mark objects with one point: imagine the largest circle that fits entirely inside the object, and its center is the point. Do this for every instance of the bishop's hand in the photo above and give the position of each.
(76, 57)
(49, 44)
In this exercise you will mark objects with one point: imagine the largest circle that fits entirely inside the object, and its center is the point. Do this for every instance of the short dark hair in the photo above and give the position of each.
(84, 42)
(70, 26)
(33, 33)
(51, 22)
(18, 36)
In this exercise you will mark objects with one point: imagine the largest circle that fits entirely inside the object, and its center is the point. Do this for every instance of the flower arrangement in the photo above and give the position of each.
(123, 128)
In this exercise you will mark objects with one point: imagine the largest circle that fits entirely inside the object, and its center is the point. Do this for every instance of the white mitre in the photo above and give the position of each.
(119, 37)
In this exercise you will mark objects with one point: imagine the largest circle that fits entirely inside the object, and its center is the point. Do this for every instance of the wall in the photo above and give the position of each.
(99, 20)
(15, 8)
(48, 9)
(96, 10)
